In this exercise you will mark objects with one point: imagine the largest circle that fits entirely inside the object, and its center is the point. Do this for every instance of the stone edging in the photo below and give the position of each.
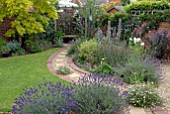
(156, 110)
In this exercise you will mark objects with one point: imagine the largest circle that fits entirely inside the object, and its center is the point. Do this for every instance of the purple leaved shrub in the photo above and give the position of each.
(160, 45)
(92, 94)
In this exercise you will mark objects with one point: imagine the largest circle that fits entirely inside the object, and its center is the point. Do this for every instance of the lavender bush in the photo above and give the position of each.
(99, 94)
(139, 70)
(47, 98)
(92, 94)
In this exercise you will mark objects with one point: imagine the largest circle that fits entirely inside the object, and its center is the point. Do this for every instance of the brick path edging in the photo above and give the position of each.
(51, 68)
(158, 110)
(75, 67)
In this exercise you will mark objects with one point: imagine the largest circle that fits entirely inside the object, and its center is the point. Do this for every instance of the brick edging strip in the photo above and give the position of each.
(51, 68)
(158, 110)
(6, 113)
(155, 110)
(75, 67)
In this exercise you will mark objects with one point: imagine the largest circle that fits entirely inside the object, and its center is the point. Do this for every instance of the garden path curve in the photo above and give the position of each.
(59, 58)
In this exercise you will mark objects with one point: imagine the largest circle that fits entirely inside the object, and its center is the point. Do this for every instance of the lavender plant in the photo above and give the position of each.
(98, 94)
(113, 53)
(92, 94)
(138, 70)
(47, 98)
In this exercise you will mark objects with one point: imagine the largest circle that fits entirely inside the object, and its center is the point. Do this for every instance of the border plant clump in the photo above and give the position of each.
(64, 70)
(159, 45)
(92, 94)
(138, 70)
(130, 63)
(144, 95)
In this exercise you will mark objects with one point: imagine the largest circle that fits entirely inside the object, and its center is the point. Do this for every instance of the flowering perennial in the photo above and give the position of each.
(92, 94)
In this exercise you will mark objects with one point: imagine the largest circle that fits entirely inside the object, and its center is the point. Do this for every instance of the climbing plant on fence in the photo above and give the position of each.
(151, 13)
(147, 5)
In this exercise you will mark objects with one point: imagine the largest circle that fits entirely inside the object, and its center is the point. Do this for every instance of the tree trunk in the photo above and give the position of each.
(20, 40)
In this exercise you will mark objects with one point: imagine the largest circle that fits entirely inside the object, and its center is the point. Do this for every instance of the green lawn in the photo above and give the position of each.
(22, 72)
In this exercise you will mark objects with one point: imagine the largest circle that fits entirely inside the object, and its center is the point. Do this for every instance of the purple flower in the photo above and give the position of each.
(93, 93)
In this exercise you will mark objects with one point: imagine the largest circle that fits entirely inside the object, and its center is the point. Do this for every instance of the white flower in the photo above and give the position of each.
(142, 44)
(138, 39)
(135, 40)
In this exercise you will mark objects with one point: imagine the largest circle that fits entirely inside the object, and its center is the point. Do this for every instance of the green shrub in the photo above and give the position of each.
(148, 5)
(32, 46)
(58, 39)
(44, 44)
(74, 47)
(64, 70)
(20, 51)
(144, 95)
(114, 18)
(12, 48)
(5, 49)
(2, 42)
(104, 69)
(138, 70)
(58, 42)
(87, 51)
(13, 45)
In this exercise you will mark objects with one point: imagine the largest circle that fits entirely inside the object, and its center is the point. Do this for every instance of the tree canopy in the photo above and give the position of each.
(31, 16)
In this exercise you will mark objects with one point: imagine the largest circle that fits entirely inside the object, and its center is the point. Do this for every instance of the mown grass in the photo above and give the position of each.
(22, 72)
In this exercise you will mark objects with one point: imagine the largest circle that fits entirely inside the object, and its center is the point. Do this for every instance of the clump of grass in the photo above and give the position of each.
(64, 70)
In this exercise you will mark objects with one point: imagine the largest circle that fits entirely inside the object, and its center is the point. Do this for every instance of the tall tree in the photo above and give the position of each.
(31, 16)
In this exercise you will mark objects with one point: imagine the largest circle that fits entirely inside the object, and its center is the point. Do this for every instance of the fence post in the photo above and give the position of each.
(119, 29)
(109, 31)
(86, 27)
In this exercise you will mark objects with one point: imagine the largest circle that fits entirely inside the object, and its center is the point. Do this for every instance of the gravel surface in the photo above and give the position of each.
(164, 88)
